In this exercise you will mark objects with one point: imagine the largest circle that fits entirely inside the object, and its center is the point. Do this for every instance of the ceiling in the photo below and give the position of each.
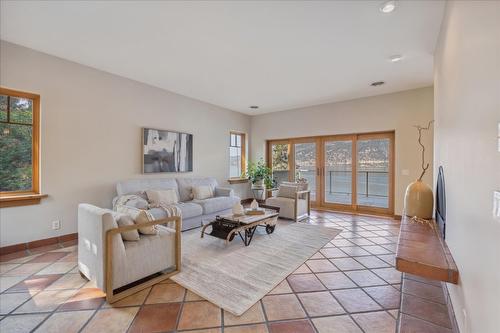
(275, 54)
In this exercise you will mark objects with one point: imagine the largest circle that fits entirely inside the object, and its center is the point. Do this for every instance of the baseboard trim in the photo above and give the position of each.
(397, 217)
(38, 243)
(451, 312)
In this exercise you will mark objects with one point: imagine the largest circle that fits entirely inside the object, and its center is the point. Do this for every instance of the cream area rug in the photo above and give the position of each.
(235, 276)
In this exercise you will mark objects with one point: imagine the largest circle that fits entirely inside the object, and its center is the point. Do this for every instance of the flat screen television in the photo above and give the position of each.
(441, 202)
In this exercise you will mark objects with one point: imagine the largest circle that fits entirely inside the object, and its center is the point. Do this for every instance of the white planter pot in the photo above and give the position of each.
(259, 190)
(258, 184)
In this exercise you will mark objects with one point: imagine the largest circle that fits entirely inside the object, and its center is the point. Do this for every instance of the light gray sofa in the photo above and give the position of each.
(194, 212)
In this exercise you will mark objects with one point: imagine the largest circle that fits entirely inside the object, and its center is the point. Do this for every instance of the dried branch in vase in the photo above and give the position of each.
(420, 129)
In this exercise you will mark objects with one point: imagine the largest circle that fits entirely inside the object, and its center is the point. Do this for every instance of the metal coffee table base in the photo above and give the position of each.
(228, 227)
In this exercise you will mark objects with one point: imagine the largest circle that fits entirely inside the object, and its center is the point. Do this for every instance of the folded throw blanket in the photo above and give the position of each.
(136, 201)
(170, 210)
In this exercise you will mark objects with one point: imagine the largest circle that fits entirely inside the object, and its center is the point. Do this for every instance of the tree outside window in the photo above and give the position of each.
(18, 140)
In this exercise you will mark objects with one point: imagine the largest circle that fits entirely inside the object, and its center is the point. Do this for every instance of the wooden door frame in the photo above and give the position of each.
(292, 164)
(337, 206)
(320, 167)
(269, 152)
(391, 175)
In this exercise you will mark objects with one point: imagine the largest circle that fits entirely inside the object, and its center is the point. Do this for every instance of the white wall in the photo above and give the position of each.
(91, 127)
(91, 136)
(398, 111)
(467, 112)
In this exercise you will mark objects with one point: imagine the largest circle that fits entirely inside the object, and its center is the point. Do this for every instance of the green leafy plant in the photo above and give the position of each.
(269, 182)
(257, 172)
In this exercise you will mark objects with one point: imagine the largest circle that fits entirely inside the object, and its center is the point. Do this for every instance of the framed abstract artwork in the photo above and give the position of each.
(166, 151)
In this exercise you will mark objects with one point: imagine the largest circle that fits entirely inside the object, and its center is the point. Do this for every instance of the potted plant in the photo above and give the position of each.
(270, 182)
(259, 174)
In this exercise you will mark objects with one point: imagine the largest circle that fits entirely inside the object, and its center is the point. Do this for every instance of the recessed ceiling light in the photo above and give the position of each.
(395, 58)
(254, 106)
(377, 83)
(388, 7)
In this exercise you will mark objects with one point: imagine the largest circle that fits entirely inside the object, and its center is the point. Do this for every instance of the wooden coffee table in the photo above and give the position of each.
(227, 226)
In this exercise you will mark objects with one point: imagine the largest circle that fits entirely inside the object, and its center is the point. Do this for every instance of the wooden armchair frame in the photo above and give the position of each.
(296, 207)
(111, 297)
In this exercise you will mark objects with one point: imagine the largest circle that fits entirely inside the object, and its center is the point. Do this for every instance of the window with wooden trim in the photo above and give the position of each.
(19, 145)
(237, 158)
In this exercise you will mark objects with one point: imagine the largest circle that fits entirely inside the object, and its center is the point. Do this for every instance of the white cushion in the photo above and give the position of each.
(287, 206)
(124, 220)
(139, 217)
(188, 210)
(287, 191)
(186, 184)
(149, 255)
(301, 186)
(217, 204)
(202, 192)
(139, 185)
(162, 197)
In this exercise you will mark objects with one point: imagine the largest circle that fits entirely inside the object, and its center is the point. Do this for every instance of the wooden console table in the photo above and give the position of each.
(422, 251)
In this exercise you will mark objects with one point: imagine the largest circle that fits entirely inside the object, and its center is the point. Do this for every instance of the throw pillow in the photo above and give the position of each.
(287, 191)
(143, 217)
(124, 220)
(140, 217)
(202, 192)
(158, 198)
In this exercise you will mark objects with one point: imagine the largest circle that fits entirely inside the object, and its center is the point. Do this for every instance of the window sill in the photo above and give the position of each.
(237, 180)
(21, 200)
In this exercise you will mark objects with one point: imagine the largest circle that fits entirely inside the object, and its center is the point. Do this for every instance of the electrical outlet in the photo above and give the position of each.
(56, 225)
(496, 205)
(405, 172)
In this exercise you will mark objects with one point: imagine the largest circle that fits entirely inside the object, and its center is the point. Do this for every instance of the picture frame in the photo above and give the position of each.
(166, 151)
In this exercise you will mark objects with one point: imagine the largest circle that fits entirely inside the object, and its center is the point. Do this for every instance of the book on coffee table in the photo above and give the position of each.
(258, 211)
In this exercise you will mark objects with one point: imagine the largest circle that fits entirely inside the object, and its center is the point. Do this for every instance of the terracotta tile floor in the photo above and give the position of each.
(350, 285)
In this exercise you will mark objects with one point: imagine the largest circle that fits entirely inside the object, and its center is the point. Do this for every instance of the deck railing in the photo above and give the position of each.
(371, 183)
(365, 178)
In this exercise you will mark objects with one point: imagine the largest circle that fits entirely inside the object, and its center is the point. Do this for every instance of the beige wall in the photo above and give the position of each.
(91, 136)
(398, 111)
(467, 112)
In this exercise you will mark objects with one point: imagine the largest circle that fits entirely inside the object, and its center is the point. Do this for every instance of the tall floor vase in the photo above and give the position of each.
(419, 200)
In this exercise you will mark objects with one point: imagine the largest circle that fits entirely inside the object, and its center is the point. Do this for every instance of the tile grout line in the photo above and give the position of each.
(360, 288)
(335, 298)
(304, 309)
(27, 291)
(49, 313)
(57, 307)
(427, 321)
(352, 231)
(96, 310)
(140, 307)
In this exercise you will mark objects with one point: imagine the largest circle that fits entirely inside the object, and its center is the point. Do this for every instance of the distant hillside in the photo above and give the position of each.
(373, 155)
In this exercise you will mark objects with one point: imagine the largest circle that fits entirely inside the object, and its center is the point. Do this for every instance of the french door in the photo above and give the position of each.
(345, 172)
(295, 159)
(337, 185)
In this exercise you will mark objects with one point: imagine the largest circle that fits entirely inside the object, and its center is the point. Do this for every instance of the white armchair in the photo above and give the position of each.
(112, 263)
(293, 199)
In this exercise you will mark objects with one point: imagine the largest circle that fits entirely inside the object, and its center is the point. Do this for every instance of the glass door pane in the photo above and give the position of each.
(305, 165)
(373, 172)
(338, 172)
(279, 162)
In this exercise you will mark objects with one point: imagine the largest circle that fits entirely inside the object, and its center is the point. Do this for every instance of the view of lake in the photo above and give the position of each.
(372, 170)
(338, 186)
